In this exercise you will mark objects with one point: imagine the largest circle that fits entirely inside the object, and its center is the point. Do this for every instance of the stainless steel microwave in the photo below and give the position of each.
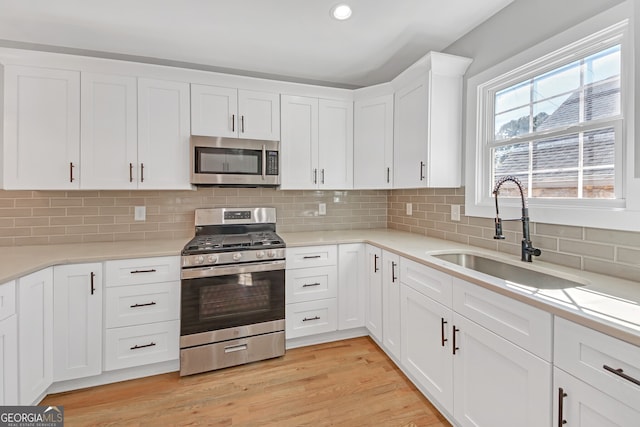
(231, 161)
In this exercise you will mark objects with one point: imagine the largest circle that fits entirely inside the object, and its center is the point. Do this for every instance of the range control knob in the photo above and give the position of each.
(260, 254)
(212, 259)
(271, 253)
(237, 256)
(199, 259)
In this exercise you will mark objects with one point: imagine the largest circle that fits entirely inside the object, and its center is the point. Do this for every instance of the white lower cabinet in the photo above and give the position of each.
(77, 321)
(311, 317)
(351, 285)
(391, 333)
(373, 292)
(8, 345)
(35, 335)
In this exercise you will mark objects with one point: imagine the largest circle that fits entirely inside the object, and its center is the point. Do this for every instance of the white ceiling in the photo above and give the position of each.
(291, 39)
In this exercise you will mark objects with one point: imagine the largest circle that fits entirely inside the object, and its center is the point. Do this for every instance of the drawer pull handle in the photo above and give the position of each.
(454, 339)
(307, 285)
(561, 396)
(143, 305)
(151, 270)
(308, 319)
(619, 372)
(138, 347)
(311, 256)
(442, 323)
(234, 348)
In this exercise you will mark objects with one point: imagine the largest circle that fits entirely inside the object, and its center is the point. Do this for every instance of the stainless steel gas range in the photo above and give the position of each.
(233, 292)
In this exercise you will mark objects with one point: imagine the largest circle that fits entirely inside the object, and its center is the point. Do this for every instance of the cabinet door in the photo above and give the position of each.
(41, 129)
(410, 135)
(299, 143)
(391, 303)
(214, 111)
(109, 131)
(496, 383)
(335, 144)
(586, 406)
(9, 361)
(373, 143)
(373, 292)
(351, 285)
(35, 335)
(77, 321)
(259, 115)
(426, 344)
(163, 135)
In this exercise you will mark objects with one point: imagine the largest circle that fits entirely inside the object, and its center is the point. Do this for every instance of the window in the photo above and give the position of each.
(560, 117)
(558, 131)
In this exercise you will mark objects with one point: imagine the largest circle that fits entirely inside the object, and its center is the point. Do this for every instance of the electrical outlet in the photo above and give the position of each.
(322, 209)
(455, 212)
(409, 208)
(140, 213)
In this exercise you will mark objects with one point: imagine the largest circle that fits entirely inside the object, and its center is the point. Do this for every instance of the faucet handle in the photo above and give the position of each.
(498, 225)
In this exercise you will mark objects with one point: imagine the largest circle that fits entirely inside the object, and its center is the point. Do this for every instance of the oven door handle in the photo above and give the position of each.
(198, 272)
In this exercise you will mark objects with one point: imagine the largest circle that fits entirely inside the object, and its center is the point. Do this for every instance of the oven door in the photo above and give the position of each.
(216, 298)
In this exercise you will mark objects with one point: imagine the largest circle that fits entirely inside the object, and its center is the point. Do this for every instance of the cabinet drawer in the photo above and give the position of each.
(141, 345)
(142, 270)
(7, 299)
(428, 281)
(584, 353)
(520, 323)
(139, 304)
(312, 317)
(308, 284)
(312, 256)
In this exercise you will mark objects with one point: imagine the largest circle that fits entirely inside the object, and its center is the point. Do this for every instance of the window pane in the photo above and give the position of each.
(512, 123)
(555, 184)
(598, 184)
(602, 100)
(513, 97)
(511, 159)
(510, 189)
(556, 112)
(556, 153)
(602, 65)
(559, 81)
(599, 148)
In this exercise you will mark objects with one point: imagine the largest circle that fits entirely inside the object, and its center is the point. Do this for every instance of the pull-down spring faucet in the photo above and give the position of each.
(527, 247)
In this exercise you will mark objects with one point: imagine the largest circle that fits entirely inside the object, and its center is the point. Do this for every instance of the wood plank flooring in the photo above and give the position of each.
(345, 383)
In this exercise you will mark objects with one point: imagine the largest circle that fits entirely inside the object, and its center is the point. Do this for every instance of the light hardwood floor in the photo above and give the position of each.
(345, 383)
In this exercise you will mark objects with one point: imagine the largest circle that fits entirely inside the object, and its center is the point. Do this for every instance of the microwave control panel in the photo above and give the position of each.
(272, 163)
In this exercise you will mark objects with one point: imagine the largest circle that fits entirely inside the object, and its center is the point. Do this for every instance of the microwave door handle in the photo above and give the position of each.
(264, 162)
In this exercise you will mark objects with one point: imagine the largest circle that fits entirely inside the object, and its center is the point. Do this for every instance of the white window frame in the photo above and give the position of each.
(607, 29)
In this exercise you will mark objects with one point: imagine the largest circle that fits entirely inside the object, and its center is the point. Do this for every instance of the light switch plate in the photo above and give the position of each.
(455, 212)
(409, 208)
(140, 213)
(322, 209)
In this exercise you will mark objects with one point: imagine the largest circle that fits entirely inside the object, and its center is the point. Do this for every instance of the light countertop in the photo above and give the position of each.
(606, 304)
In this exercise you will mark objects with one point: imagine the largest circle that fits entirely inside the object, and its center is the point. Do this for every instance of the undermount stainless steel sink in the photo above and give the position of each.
(508, 272)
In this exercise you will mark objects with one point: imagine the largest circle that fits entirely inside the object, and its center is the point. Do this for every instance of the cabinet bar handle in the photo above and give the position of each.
(307, 285)
(315, 176)
(151, 270)
(442, 323)
(71, 171)
(143, 305)
(421, 171)
(388, 175)
(561, 396)
(93, 288)
(322, 171)
(242, 122)
(454, 339)
(233, 123)
(141, 172)
(310, 256)
(307, 319)
(619, 372)
(137, 347)
(375, 263)
(393, 272)
(130, 172)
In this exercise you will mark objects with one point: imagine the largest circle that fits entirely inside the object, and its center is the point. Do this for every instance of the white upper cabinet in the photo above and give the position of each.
(428, 123)
(317, 143)
(234, 113)
(373, 143)
(108, 131)
(41, 132)
(163, 135)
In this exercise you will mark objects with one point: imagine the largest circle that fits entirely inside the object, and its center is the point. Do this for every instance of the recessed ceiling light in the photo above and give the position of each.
(341, 12)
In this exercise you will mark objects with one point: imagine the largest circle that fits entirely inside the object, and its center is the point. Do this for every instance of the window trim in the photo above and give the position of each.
(579, 41)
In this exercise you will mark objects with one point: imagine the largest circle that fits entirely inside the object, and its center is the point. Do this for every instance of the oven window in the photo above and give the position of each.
(221, 302)
(228, 161)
